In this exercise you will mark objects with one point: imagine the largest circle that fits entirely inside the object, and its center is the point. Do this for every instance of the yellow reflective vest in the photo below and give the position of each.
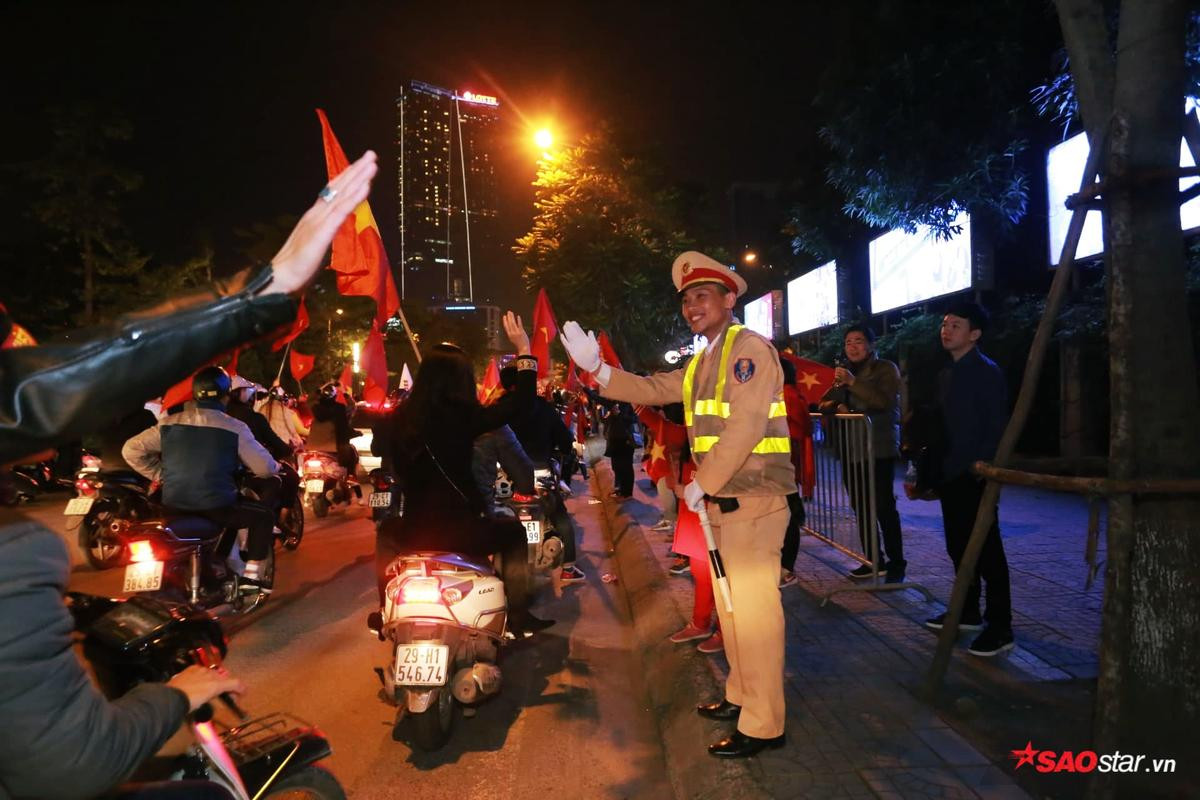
(712, 397)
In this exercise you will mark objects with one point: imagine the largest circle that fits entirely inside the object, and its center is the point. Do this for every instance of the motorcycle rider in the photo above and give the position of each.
(62, 738)
(541, 431)
(330, 431)
(195, 454)
(500, 447)
(241, 407)
(432, 438)
(277, 408)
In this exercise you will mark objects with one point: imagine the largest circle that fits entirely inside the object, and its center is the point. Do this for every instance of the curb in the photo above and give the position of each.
(676, 678)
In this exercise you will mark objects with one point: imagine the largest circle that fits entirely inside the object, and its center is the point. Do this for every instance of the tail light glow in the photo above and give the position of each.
(141, 550)
(524, 498)
(314, 463)
(421, 590)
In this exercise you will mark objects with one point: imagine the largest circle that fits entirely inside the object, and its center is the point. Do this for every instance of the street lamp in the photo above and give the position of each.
(749, 258)
(544, 139)
(354, 349)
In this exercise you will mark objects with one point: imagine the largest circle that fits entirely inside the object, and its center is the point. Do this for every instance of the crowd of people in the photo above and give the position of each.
(721, 438)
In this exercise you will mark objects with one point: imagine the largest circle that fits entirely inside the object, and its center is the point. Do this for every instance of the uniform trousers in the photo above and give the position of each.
(750, 540)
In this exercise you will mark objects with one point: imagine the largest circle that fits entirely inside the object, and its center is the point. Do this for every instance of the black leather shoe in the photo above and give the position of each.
(724, 711)
(739, 745)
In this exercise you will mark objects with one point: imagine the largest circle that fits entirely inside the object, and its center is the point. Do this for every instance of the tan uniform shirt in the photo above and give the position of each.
(750, 400)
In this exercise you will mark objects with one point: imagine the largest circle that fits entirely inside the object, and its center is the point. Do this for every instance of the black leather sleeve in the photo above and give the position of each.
(58, 391)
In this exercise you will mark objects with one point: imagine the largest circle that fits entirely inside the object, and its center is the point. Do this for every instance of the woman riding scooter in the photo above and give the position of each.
(432, 439)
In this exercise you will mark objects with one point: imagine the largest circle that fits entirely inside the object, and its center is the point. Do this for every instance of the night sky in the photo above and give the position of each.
(221, 95)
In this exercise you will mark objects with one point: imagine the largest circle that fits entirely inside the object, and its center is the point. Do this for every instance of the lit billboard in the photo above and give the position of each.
(812, 299)
(908, 268)
(759, 316)
(1064, 171)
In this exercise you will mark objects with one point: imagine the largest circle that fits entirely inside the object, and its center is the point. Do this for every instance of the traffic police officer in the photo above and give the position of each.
(737, 425)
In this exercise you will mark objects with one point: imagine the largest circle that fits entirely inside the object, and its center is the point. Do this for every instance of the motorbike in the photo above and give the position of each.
(106, 505)
(191, 559)
(444, 617)
(143, 639)
(532, 511)
(290, 519)
(326, 482)
(386, 500)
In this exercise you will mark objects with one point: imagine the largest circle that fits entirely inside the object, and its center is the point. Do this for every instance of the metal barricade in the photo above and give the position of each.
(842, 512)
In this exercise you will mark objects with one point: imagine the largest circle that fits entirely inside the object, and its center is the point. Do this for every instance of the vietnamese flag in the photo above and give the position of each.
(490, 389)
(358, 255)
(545, 330)
(374, 361)
(297, 328)
(300, 364)
(607, 352)
(813, 379)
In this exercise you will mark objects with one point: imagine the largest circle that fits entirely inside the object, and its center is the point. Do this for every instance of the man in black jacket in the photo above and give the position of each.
(62, 738)
(544, 436)
(974, 409)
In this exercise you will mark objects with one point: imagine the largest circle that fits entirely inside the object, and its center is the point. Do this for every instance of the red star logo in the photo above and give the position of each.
(1025, 756)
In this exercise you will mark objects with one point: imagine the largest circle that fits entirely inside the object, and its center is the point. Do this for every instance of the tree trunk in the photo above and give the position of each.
(1148, 695)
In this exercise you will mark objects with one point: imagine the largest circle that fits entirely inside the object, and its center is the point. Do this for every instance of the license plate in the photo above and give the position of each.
(381, 499)
(533, 531)
(316, 486)
(422, 664)
(78, 506)
(143, 576)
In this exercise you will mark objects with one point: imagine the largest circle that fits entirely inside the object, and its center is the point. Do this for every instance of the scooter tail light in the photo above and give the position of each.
(314, 463)
(451, 595)
(524, 498)
(141, 550)
(421, 590)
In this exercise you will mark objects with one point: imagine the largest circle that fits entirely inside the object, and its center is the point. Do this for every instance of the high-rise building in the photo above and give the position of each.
(447, 185)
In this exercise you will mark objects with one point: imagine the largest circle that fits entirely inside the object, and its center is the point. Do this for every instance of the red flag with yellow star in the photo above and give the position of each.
(545, 329)
(358, 255)
(490, 389)
(813, 379)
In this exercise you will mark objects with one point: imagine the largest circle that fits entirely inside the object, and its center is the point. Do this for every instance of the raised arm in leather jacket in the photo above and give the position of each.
(63, 389)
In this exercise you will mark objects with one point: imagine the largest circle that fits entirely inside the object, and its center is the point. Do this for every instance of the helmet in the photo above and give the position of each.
(330, 391)
(211, 383)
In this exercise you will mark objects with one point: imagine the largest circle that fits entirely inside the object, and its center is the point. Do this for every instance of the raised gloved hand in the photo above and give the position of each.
(693, 496)
(581, 347)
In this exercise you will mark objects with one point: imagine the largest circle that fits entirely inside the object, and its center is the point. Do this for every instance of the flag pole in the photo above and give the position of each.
(412, 340)
(279, 374)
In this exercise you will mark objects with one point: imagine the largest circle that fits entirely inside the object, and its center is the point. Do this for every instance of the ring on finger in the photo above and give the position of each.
(327, 194)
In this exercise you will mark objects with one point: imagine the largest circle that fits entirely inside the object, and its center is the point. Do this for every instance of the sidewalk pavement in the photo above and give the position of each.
(856, 727)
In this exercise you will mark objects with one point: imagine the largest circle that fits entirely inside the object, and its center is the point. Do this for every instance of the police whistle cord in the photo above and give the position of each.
(714, 558)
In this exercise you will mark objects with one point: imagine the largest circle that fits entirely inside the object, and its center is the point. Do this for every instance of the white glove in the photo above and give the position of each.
(693, 496)
(581, 347)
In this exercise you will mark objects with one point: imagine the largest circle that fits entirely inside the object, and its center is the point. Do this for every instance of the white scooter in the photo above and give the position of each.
(444, 616)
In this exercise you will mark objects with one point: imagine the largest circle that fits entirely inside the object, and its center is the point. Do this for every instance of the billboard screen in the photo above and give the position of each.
(907, 268)
(812, 299)
(1064, 171)
(759, 316)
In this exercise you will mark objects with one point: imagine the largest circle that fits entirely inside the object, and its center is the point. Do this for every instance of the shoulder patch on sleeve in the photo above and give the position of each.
(743, 369)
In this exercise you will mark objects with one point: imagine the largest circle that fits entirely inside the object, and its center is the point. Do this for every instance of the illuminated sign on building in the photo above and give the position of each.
(483, 99)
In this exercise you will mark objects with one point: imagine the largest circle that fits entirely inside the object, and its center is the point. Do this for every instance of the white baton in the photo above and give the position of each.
(714, 558)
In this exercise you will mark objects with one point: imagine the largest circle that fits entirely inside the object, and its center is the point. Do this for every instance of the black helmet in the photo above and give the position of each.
(211, 383)
(330, 390)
